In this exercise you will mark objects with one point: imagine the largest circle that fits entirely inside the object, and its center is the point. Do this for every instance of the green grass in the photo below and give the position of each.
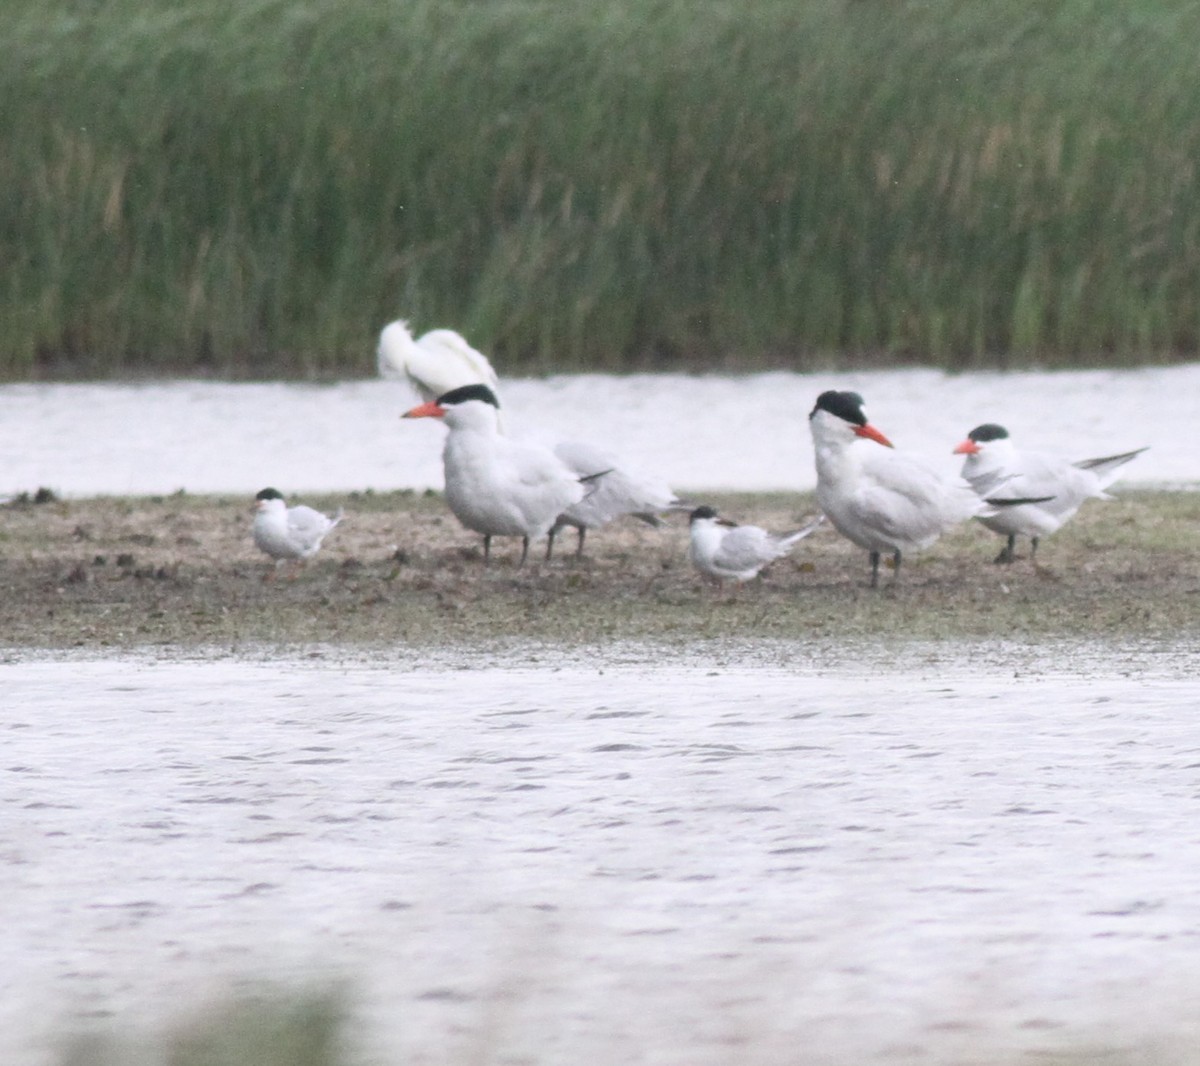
(254, 187)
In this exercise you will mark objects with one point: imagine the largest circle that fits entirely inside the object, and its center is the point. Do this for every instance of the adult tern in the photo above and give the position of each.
(495, 485)
(285, 532)
(723, 549)
(1064, 485)
(878, 498)
(442, 360)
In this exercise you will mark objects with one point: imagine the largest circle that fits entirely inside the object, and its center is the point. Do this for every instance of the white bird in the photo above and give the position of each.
(285, 532)
(442, 360)
(723, 549)
(990, 454)
(880, 499)
(439, 362)
(621, 491)
(495, 485)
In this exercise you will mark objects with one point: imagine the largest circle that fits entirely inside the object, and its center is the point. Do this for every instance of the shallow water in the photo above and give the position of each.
(700, 433)
(613, 863)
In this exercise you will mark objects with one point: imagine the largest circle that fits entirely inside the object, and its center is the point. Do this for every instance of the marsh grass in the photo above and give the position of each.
(180, 573)
(253, 187)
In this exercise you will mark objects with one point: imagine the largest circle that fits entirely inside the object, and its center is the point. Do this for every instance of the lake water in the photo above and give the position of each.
(765, 855)
(761, 855)
(700, 433)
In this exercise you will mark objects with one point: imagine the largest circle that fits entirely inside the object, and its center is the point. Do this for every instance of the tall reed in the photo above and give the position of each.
(254, 187)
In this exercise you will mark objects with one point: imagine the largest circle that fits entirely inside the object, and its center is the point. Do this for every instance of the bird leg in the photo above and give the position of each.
(524, 550)
(1033, 550)
(874, 570)
(550, 542)
(487, 548)
(896, 567)
(579, 546)
(1009, 552)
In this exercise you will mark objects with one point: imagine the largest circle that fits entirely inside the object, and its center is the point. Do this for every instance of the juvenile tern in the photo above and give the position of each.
(878, 498)
(1064, 485)
(723, 549)
(285, 532)
(495, 485)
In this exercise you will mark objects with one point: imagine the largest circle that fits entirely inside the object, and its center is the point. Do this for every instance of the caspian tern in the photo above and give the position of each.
(442, 360)
(285, 532)
(495, 485)
(990, 454)
(723, 549)
(880, 499)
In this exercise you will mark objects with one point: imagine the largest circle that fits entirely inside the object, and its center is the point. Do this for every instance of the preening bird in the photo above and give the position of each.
(723, 549)
(880, 499)
(440, 361)
(495, 485)
(289, 533)
(1063, 485)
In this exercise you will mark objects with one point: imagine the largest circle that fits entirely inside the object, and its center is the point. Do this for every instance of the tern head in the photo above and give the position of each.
(266, 500)
(980, 436)
(708, 514)
(454, 398)
(845, 409)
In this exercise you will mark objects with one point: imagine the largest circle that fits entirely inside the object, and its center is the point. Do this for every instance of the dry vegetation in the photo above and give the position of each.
(181, 572)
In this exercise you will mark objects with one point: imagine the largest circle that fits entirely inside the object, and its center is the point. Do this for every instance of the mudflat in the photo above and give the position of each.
(182, 571)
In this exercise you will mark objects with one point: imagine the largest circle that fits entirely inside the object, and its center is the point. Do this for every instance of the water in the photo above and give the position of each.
(623, 861)
(947, 854)
(699, 433)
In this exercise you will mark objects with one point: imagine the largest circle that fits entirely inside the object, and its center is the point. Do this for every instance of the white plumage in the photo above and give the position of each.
(284, 532)
(881, 500)
(494, 485)
(441, 361)
(991, 455)
(723, 550)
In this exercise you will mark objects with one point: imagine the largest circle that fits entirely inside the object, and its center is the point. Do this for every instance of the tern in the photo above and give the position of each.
(723, 549)
(442, 360)
(495, 485)
(285, 532)
(880, 499)
(1065, 485)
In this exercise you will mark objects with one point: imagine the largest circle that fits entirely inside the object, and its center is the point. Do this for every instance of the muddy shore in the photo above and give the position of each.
(182, 572)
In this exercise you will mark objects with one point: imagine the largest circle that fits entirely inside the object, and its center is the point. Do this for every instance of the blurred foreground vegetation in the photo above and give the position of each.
(254, 187)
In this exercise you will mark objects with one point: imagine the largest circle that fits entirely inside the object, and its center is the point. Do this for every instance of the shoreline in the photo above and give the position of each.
(401, 581)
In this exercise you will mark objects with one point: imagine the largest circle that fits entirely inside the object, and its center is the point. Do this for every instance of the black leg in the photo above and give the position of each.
(550, 542)
(524, 550)
(1009, 552)
(579, 546)
(1033, 550)
(874, 570)
(896, 566)
(487, 548)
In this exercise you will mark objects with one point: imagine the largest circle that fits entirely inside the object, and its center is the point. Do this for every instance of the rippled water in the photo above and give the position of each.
(617, 864)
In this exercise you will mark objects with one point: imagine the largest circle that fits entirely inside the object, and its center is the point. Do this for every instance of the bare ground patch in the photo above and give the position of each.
(181, 571)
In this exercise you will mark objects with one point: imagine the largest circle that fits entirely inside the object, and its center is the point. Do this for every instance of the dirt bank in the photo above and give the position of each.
(181, 571)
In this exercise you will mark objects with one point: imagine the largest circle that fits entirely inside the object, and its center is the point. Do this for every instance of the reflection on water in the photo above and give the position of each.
(668, 865)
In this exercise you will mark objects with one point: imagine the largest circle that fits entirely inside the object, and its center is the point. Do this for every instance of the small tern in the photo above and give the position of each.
(289, 533)
(723, 549)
